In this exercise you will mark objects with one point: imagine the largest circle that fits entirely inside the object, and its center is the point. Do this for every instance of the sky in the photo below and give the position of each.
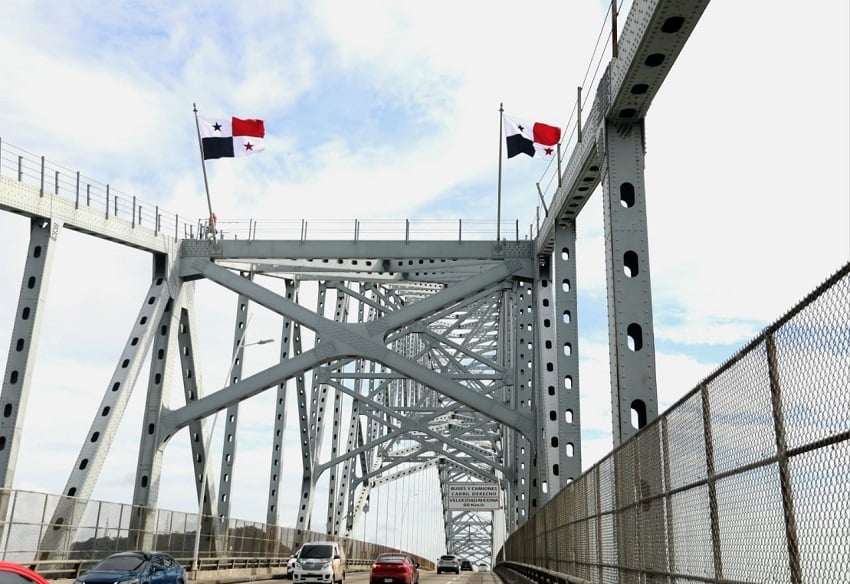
(390, 110)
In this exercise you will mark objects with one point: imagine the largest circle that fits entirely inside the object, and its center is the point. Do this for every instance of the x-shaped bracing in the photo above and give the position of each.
(341, 340)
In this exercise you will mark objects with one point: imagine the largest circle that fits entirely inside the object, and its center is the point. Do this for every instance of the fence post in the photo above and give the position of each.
(791, 540)
(77, 193)
(41, 185)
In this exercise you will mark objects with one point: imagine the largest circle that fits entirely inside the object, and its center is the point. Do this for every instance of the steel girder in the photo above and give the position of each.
(630, 327)
(23, 348)
(276, 468)
(436, 380)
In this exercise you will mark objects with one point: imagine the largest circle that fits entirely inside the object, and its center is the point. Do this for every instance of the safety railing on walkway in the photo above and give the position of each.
(54, 180)
(745, 480)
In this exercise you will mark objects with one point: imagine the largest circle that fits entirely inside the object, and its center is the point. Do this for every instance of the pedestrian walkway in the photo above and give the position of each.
(484, 578)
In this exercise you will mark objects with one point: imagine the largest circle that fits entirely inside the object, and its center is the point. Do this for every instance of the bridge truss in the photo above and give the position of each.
(400, 356)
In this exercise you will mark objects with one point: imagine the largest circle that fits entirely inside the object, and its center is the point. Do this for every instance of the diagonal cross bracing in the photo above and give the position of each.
(344, 340)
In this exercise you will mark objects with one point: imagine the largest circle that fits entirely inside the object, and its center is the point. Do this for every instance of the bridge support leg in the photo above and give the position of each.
(634, 403)
(23, 344)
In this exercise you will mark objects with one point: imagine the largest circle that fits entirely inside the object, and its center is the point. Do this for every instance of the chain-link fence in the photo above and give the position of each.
(105, 528)
(745, 480)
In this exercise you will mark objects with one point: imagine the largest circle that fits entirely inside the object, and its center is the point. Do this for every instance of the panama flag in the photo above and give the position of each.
(230, 137)
(536, 139)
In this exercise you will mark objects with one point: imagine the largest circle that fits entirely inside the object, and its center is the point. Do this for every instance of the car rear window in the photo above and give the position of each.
(120, 563)
(395, 559)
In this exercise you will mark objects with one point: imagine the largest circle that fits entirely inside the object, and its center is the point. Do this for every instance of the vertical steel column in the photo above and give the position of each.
(199, 433)
(302, 518)
(630, 328)
(546, 401)
(348, 485)
(23, 346)
(505, 357)
(313, 423)
(565, 319)
(149, 462)
(231, 420)
(276, 466)
(336, 496)
(524, 462)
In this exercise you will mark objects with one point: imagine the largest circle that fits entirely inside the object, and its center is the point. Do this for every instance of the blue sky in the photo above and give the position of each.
(389, 110)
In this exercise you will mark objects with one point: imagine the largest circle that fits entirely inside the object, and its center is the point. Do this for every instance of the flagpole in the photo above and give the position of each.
(499, 198)
(204, 168)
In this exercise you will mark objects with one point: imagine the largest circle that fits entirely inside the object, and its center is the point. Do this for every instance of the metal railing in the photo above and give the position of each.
(105, 528)
(745, 480)
(54, 180)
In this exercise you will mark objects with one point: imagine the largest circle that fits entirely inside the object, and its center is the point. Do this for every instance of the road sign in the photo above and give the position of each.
(473, 496)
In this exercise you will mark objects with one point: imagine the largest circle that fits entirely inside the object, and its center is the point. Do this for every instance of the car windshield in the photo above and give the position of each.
(316, 552)
(120, 563)
(447, 558)
(390, 559)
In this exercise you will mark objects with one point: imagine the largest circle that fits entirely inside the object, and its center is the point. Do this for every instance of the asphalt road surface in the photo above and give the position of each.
(425, 577)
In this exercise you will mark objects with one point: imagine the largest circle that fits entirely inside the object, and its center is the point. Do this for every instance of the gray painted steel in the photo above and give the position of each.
(567, 384)
(24, 344)
(630, 328)
(453, 349)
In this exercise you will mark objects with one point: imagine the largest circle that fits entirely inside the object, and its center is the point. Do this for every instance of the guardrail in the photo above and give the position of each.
(105, 528)
(516, 573)
(208, 568)
(55, 180)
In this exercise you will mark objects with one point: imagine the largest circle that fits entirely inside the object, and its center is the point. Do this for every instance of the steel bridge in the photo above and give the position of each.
(453, 360)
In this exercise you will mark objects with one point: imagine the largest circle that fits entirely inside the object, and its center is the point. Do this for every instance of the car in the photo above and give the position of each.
(290, 565)
(12, 573)
(448, 563)
(394, 568)
(466, 566)
(483, 567)
(320, 561)
(135, 566)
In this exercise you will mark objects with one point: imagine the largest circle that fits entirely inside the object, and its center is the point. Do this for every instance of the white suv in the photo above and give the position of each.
(320, 561)
(448, 563)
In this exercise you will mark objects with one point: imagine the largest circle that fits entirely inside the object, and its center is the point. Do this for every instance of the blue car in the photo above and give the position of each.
(135, 568)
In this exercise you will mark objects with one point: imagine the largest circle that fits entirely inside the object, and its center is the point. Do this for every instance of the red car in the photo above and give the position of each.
(11, 573)
(394, 568)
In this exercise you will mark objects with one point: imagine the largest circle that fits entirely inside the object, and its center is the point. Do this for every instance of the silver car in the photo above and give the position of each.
(448, 563)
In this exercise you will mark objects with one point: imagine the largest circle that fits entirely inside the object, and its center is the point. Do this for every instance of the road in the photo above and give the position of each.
(429, 577)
